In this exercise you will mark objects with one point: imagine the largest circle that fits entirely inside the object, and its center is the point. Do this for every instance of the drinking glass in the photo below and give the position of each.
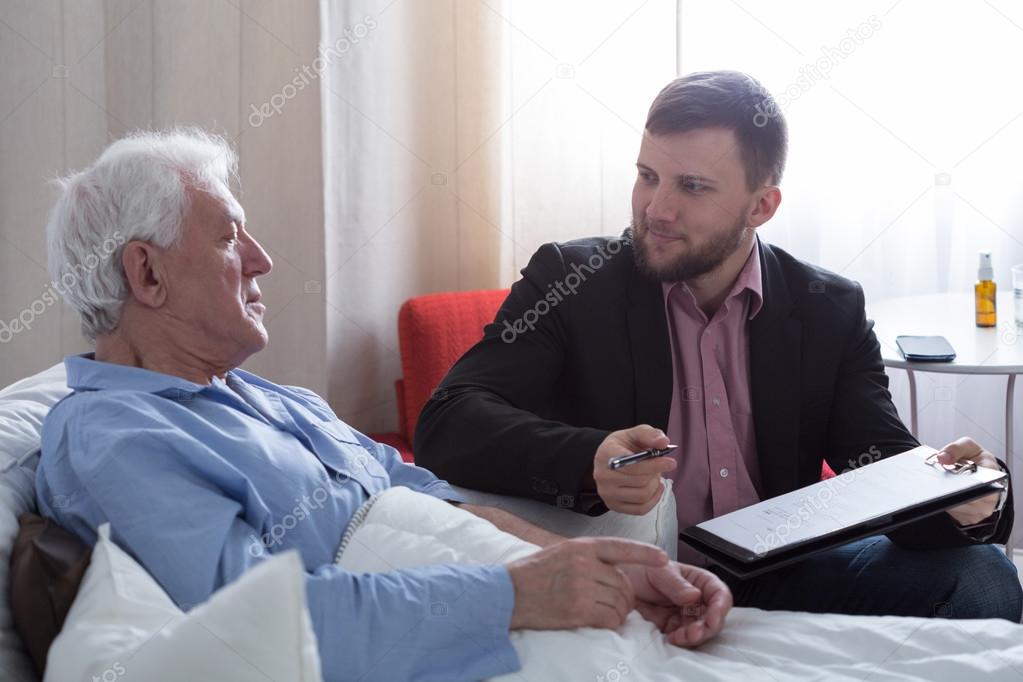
(1017, 294)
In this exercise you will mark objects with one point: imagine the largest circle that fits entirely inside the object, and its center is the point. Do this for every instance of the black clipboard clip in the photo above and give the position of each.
(960, 467)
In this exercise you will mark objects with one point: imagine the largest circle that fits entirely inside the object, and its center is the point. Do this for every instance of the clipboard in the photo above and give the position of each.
(722, 539)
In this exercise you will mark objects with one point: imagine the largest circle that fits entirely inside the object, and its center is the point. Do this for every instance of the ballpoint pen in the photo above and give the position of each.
(626, 460)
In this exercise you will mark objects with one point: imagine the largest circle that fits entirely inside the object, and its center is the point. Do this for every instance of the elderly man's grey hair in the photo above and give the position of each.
(136, 190)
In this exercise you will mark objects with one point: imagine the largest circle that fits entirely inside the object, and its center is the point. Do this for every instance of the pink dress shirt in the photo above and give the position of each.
(711, 418)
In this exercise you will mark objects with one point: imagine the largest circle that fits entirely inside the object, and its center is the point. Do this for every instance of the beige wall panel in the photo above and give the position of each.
(196, 64)
(31, 152)
(282, 183)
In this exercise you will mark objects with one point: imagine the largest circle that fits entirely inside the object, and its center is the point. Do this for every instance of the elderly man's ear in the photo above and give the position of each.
(144, 270)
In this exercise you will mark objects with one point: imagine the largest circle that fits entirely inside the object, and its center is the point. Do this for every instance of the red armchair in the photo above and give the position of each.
(433, 332)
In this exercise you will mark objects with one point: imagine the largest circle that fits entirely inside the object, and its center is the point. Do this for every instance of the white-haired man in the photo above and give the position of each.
(192, 461)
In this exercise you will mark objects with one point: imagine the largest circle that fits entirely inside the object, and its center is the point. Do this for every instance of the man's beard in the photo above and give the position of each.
(691, 263)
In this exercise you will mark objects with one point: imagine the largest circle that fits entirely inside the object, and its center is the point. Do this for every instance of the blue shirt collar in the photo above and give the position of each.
(85, 373)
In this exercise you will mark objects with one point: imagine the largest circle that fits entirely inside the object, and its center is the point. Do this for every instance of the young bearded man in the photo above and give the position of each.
(689, 329)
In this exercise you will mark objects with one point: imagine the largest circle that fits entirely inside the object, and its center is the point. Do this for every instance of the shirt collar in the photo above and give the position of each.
(85, 373)
(749, 279)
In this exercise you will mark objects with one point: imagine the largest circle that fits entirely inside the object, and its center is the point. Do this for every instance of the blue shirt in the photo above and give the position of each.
(201, 482)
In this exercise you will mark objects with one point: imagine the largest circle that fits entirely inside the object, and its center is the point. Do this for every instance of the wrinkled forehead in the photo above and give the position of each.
(216, 202)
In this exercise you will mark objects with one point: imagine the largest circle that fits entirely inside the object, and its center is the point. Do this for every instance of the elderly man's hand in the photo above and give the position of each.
(686, 603)
(966, 448)
(576, 583)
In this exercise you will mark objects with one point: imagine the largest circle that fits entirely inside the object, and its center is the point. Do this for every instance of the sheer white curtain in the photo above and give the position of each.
(459, 135)
(904, 154)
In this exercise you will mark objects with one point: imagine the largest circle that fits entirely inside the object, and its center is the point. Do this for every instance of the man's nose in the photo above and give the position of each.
(257, 260)
(662, 207)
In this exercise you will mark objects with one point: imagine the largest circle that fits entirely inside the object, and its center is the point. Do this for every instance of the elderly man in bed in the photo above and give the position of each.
(195, 463)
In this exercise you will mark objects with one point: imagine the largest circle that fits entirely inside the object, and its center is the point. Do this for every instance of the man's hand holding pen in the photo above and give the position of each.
(633, 489)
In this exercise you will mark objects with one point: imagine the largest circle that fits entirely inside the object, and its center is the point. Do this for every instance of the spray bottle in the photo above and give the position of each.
(984, 292)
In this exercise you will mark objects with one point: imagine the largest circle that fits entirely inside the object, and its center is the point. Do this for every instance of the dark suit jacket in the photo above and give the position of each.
(524, 410)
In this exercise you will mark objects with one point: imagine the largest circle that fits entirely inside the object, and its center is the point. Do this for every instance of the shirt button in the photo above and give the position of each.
(717, 402)
(724, 473)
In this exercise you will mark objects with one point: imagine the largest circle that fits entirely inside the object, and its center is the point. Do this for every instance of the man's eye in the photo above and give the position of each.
(647, 177)
(693, 186)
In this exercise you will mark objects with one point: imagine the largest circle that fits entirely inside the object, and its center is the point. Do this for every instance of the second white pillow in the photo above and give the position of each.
(123, 626)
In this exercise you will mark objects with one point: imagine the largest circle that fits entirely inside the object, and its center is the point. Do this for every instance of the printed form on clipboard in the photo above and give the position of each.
(869, 500)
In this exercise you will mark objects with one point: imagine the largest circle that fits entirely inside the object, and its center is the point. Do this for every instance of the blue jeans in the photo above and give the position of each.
(873, 576)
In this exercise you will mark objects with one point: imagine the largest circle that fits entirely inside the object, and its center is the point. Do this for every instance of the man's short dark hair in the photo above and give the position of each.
(732, 100)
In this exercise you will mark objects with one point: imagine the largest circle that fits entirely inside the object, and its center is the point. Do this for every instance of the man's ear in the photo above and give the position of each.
(144, 272)
(764, 207)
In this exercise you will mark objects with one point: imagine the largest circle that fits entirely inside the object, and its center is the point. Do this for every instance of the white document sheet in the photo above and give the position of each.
(857, 496)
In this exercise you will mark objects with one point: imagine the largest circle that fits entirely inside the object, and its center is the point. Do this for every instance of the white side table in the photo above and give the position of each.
(993, 350)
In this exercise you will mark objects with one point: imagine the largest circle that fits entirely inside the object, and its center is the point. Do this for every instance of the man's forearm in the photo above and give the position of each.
(510, 523)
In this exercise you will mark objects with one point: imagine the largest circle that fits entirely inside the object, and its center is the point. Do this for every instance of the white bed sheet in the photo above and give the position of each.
(405, 529)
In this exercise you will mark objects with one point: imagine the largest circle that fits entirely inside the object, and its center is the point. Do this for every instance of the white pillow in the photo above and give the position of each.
(23, 406)
(123, 626)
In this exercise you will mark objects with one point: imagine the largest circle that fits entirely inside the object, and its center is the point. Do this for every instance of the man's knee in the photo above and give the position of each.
(987, 585)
